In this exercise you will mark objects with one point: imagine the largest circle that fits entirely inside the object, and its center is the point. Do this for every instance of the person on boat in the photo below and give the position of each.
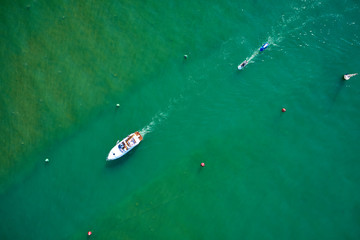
(128, 141)
(348, 76)
(243, 64)
(124, 146)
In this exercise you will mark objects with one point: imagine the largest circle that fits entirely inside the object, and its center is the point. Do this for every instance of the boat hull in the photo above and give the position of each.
(242, 65)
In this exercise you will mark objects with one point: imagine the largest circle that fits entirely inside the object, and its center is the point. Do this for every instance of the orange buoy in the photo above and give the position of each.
(89, 233)
(283, 110)
(202, 164)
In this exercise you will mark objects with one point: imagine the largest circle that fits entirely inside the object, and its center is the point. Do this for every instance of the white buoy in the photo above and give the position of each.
(117, 105)
(47, 160)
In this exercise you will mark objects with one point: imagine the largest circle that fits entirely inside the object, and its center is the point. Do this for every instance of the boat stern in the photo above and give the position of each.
(138, 135)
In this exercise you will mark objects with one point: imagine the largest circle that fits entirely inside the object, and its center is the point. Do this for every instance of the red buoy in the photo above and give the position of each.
(283, 110)
(202, 164)
(89, 233)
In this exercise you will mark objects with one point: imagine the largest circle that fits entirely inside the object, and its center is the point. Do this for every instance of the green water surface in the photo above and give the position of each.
(268, 174)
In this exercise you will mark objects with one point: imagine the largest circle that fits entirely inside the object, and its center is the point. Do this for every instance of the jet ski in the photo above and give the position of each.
(242, 65)
(263, 47)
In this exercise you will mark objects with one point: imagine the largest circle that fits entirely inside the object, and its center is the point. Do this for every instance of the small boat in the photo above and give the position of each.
(263, 47)
(348, 76)
(242, 65)
(124, 146)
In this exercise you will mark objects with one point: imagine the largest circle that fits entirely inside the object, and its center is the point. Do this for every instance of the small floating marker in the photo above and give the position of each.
(185, 56)
(283, 110)
(202, 164)
(89, 233)
(47, 160)
(117, 105)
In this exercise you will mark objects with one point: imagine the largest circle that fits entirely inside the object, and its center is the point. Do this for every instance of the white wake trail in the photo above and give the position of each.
(158, 118)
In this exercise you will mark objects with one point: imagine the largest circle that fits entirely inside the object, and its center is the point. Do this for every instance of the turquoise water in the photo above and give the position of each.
(268, 174)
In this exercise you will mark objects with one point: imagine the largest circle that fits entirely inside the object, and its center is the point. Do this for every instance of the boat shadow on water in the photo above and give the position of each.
(341, 84)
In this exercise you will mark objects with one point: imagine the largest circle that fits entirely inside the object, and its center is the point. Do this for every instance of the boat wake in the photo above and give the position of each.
(291, 24)
(160, 117)
(256, 52)
(270, 41)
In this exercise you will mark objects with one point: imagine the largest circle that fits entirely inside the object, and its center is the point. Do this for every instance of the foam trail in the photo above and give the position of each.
(148, 128)
(283, 27)
(270, 40)
(253, 55)
(158, 118)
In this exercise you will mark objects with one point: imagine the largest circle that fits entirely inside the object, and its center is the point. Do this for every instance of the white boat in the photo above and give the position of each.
(348, 76)
(242, 65)
(124, 146)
